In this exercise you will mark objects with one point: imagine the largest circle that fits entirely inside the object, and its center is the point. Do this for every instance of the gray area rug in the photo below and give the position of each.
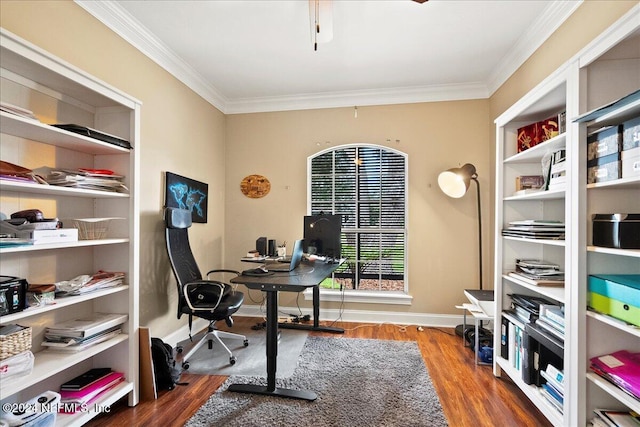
(359, 382)
(251, 360)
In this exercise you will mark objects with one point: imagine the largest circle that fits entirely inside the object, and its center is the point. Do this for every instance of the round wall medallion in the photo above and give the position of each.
(255, 186)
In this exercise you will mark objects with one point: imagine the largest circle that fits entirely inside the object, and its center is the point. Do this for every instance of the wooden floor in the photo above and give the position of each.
(470, 394)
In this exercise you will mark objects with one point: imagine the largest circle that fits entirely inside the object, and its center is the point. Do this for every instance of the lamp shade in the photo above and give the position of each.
(455, 182)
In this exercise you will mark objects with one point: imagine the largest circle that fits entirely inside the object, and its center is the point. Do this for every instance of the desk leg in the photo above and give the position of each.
(316, 318)
(272, 357)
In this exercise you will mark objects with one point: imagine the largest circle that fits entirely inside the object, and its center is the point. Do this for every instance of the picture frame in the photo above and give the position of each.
(186, 193)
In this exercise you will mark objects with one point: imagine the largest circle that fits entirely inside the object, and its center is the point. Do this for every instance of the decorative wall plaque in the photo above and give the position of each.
(255, 186)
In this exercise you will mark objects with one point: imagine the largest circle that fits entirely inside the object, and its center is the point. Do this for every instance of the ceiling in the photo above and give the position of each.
(253, 56)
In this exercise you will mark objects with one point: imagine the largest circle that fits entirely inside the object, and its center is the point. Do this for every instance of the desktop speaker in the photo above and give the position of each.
(261, 245)
(272, 247)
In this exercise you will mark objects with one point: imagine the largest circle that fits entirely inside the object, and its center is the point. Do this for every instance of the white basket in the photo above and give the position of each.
(92, 228)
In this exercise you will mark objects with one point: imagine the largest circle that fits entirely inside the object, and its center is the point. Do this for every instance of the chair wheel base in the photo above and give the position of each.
(232, 360)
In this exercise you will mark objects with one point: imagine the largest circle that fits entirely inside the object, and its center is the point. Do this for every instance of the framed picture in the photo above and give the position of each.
(186, 193)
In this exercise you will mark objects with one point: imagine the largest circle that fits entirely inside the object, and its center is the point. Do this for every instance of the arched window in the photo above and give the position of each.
(367, 185)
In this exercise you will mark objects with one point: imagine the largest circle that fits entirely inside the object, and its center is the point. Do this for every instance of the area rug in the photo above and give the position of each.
(359, 382)
(250, 360)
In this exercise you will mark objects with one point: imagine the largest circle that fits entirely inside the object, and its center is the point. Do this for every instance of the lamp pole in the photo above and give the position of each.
(475, 179)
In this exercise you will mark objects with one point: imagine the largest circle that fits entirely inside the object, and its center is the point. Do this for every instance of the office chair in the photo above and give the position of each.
(207, 299)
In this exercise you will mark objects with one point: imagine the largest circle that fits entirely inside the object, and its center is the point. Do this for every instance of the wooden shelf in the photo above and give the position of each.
(536, 241)
(542, 195)
(613, 251)
(537, 152)
(54, 190)
(554, 292)
(618, 324)
(101, 404)
(615, 392)
(626, 183)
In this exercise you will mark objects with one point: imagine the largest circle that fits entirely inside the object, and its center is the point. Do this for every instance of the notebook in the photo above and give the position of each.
(296, 257)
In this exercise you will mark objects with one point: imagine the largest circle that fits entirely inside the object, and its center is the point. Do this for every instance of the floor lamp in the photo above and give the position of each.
(455, 183)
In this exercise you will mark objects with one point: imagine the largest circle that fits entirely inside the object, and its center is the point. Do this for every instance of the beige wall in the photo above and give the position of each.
(180, 132)
(442, 232)
(184, 134)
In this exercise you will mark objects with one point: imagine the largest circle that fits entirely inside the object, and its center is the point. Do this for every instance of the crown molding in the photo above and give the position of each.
(122, 23)
(111, 14)
(540, 30)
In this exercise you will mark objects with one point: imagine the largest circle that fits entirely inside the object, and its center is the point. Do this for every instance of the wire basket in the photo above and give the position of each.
(15, 343)
(92, 228)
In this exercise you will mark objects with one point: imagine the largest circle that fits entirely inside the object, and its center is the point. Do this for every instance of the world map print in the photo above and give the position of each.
(186, 193)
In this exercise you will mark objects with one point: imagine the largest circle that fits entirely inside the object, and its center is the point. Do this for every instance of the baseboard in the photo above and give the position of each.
(364, 316)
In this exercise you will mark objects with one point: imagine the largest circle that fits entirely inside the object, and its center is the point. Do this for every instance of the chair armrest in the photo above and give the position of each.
(224, 270)
(204, 295)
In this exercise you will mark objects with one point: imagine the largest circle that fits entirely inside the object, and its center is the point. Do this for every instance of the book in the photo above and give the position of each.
(74, 400)
(86, 326)
(82, 381)
(554, 377)
(537, 282)
(621, 368)
(618, 418)
(63, 343)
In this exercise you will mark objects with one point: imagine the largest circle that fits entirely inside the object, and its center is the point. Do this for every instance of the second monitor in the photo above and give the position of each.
(322, 235)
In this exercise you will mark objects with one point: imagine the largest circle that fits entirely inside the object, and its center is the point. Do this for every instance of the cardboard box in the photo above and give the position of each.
(617, 295)
(604, 142)
(631, 134)
(630, 160)
(603, 169)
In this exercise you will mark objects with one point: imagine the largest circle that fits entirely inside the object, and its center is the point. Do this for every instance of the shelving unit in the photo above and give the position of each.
(609, 70)
(58, 92)
(605, 71)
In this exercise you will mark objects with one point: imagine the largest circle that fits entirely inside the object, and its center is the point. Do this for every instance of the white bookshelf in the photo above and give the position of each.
(604, 71)
(58, 92)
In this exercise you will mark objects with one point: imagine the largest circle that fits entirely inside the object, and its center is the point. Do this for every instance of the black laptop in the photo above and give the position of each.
(296, 257)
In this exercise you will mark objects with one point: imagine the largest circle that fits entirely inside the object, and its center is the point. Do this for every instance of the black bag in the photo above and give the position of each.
(166, 373)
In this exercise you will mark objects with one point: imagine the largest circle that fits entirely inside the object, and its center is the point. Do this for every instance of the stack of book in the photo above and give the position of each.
(17, 111)
(553, 388)
(621, 368)
(527, 307)
(558, 172)
(77, 393)
(614, 418)
(538, 273)
(82, 333)
(535, 229)
(551, 319)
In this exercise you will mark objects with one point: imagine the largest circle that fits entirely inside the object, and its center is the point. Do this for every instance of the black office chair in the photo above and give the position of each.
(208, 299)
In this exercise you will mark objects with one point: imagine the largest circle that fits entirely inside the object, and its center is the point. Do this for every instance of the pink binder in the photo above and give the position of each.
(621, 368)
(74, 400)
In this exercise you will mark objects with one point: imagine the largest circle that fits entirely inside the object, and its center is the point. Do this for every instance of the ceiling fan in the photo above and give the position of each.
(322, 11)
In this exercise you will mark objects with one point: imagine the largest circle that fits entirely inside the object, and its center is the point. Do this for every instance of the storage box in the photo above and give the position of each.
(631, 134)
(14, 342)
(603, 169)
(526, 182)
(604, 142)
(535, 133)
(630, 161)
(617, 295)
(617, 230)
(60, 235)
(13, 293)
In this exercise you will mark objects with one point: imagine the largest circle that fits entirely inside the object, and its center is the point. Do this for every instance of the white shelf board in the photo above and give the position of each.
(101, 404)
(48, 363)
(532, 392)
(536, 241)
(537, 152)
(540, 195)
(66, 245)
(617, 115)
(554, 292)
(618, 324)
(630, 182)
(614, 251)
(37, 131)
(55, 190)
(612, 390)
(60, 303)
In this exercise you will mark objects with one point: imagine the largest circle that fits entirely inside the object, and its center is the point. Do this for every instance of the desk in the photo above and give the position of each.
(316, 305)
(478, 317)
(305, 276)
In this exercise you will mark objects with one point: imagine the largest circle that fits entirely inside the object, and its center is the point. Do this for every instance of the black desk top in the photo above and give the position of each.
(306, 275)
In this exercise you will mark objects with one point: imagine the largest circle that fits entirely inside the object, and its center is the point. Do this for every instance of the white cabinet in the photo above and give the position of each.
(57, 92)
(606, 70)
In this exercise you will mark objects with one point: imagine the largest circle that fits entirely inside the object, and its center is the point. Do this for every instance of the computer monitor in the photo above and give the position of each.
(322, 235)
